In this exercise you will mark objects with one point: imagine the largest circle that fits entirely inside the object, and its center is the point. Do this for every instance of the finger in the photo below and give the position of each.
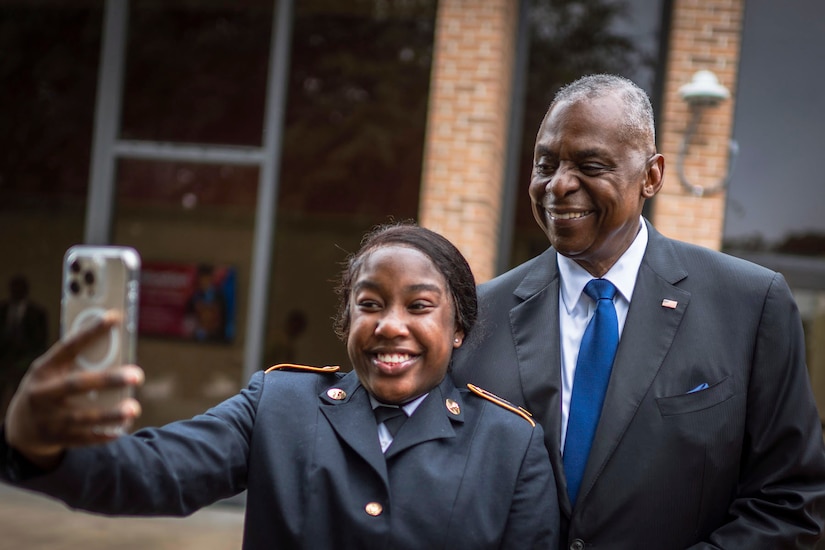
(77, 427)
(81, 435)
(80, 382)
(125, 411)
(65, 350)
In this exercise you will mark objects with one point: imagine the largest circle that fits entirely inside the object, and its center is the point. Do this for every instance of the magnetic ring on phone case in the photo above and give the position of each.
(110, 356)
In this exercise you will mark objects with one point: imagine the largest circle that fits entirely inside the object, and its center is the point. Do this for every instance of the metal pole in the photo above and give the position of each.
(511, 170)
(268, 186)
(100, 196)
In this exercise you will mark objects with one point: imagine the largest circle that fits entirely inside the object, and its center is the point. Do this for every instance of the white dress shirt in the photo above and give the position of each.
(576, 308)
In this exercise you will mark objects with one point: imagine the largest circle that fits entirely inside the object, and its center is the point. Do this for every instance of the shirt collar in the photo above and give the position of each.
(623, 273)
(409, 408)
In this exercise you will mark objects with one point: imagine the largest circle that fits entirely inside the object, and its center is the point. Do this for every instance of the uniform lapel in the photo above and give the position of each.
(647, 336)
(352, 419)
(431, 420)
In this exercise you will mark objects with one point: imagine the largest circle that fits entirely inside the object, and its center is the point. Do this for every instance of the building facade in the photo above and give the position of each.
(261, 139)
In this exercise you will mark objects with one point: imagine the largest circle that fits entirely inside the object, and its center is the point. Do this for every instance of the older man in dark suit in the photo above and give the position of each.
(686, 418)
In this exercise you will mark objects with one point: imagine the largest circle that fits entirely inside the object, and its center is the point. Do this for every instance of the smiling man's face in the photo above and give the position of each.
(590, 180)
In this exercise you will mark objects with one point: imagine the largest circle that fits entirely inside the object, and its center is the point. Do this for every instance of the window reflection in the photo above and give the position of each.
(193, 225)
(569, 39)
(357, 109)
(196, 71)
(50, 53)
(49, 74)
(352, 158)
(774, 202)
(187, 188)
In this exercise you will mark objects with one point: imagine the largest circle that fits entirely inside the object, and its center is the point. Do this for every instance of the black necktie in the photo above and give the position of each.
(392, 417)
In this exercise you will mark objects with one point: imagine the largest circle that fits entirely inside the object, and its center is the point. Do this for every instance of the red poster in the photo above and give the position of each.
(187, 300)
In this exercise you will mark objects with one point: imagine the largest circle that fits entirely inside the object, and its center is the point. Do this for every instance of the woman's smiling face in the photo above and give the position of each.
(403, 329)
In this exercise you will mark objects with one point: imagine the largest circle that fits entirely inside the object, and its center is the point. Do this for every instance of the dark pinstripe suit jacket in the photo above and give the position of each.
(739, 465)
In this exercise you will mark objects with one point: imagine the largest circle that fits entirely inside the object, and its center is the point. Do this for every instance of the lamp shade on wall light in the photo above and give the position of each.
(704, 89)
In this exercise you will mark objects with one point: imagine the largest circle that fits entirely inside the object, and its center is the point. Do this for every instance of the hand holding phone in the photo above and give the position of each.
(54, 408)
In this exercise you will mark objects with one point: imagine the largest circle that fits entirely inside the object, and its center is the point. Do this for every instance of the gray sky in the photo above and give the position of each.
(778, 186)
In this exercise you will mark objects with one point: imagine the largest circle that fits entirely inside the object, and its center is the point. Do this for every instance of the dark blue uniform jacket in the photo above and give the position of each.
(475, 477)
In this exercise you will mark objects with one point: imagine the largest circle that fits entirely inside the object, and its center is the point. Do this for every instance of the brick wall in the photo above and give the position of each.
(705, 34)
(467, 126)
(469, 107)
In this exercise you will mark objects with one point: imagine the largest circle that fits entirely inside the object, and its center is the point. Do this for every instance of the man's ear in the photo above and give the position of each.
(654, 176)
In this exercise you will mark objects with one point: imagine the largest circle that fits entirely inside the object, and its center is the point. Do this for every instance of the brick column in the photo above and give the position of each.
(705, 34)
(465, 146)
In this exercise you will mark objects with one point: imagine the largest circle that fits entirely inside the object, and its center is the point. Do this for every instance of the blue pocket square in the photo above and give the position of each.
(700, 387)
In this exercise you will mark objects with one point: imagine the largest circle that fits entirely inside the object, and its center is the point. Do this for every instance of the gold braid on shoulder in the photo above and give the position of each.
(304, 368)
(503, 403)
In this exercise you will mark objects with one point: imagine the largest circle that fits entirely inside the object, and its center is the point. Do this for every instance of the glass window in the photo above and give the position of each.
(193, 225)
(50, 53)
(777, 191)
(570, 39)
(774, 202)
(352, 158)
(196, 71)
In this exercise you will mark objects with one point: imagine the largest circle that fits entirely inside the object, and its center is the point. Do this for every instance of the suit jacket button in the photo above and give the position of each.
(577, 544)
(374, 508)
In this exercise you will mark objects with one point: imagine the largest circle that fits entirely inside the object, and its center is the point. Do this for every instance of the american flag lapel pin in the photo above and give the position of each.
(670, 304)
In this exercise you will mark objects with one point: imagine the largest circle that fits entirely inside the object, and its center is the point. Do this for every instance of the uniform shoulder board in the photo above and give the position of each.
(503, 403)
(303, 368)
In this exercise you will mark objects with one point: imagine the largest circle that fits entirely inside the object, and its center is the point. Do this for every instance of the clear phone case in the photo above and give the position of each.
(97, 279)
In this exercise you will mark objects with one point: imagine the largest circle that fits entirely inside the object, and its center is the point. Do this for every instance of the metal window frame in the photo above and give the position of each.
(107, 149)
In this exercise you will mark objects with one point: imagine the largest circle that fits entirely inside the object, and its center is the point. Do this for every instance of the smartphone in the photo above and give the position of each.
(97, 279)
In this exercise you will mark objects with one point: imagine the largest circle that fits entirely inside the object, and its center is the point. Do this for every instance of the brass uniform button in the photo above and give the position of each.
(336, 393)
(453, 407)
(374, 508)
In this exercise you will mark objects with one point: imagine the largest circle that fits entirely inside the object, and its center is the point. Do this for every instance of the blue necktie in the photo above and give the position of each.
(598, 348)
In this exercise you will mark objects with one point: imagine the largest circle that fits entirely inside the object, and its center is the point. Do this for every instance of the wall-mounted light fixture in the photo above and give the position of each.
(703, 91)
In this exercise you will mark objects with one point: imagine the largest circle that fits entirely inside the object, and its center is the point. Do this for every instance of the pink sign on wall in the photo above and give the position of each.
(187, 300)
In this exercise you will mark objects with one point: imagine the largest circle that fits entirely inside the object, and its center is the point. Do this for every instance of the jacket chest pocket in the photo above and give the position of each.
(698, 400)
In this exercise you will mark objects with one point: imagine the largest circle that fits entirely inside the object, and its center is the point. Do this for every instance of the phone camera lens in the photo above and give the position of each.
(75, 267)
(89, 278)
(74, 287)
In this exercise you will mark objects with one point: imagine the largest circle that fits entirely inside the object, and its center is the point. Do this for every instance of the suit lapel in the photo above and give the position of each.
(535, 326)
(648, 333)
(353, 421)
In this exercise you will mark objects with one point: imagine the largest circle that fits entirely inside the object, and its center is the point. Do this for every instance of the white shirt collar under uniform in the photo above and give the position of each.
(384, 435)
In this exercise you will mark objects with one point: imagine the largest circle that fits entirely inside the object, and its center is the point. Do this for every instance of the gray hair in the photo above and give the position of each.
(639, 125)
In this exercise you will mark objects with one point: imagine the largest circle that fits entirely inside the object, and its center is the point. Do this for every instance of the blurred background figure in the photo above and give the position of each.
(284, 347)
(23, 336)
